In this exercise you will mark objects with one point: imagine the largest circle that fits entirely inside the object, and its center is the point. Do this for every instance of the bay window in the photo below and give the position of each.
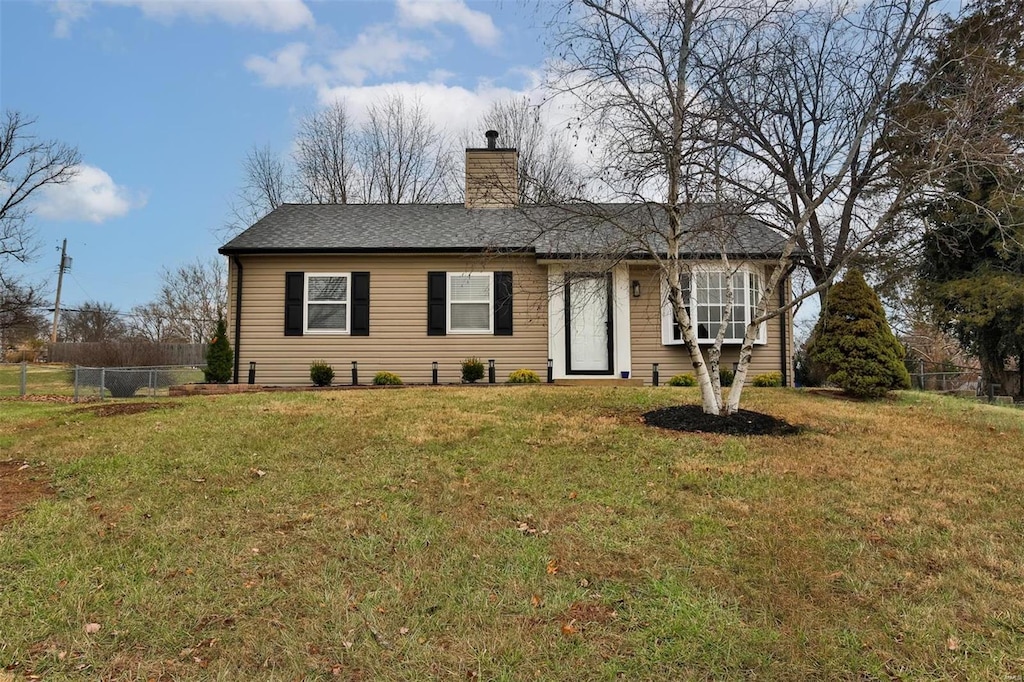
(705, 291)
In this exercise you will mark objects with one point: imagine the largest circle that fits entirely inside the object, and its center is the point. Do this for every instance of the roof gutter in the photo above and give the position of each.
(238, 314)
(226, 251)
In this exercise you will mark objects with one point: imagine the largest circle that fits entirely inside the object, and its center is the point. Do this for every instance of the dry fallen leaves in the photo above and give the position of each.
(552, 567)
(535, 601)
(92, 628)
(953, 644)
(570, 628)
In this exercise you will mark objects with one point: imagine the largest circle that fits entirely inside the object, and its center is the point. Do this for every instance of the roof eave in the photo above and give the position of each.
(240, 251)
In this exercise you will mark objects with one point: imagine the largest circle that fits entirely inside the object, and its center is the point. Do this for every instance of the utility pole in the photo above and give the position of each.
(65, 263)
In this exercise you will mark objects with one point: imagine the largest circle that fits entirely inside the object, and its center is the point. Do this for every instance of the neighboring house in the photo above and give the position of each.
(398, 287)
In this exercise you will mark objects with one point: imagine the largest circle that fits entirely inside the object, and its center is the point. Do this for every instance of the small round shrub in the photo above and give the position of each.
(725, 377)
(768, 380)
(386, 379)
(523, 376)
(682, 380)
(320, 373)
(472, 370)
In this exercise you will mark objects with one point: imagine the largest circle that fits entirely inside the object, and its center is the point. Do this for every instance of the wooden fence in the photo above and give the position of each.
(127, 354)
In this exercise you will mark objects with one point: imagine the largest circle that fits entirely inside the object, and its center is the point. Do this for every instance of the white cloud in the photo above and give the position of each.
(67, 13)
(425, 13)
(268, 15)
(286, 68)
(92, 195)
(377, 51)
(449, 107)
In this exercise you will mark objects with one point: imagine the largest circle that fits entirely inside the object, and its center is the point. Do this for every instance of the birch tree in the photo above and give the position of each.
(732, 111)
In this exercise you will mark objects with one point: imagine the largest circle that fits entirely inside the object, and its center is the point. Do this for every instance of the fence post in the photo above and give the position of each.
(24, 377)
(152, 383)
(76, 383)
(920, 372)
(103, 381)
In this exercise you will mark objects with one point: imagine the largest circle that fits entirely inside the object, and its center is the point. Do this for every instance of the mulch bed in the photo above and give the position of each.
(692, 418)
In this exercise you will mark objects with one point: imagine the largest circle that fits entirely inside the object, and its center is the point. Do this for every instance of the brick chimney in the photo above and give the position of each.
(492, 175)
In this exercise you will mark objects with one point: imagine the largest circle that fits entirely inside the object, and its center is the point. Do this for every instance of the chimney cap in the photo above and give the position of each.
(492, 138)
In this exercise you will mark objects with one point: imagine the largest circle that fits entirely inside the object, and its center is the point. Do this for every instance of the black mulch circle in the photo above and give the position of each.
(742, 423)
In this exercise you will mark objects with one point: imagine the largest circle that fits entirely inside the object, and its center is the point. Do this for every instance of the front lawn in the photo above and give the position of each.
(513, 533)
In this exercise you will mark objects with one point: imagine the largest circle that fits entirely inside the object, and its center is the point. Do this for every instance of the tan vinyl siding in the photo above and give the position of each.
(491, 178)
(398, 340)
(645, 335)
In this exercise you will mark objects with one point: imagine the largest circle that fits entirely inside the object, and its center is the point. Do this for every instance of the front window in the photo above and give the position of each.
(706, 291)
(470, 303)
(326, 309)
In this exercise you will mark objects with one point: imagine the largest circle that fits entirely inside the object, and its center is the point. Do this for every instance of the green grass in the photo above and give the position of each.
(515, 533)
(40, 380)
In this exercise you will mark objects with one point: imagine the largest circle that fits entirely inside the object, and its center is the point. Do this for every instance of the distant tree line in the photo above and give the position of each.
(396, 156)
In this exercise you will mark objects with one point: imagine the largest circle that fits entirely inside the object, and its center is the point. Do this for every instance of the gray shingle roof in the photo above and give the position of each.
(549, 230)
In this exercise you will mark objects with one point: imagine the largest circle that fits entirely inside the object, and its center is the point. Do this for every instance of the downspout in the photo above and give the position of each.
(785, 333)
(238, 314)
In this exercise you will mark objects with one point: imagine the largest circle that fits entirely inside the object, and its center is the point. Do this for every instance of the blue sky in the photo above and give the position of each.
(164, 97)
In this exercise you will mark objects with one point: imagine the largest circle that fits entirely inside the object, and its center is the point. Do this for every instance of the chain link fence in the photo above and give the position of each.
(128, 382)
(61, 382)
(966, 382)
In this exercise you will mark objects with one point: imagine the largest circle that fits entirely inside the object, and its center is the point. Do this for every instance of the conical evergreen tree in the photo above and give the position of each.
(219, 359)
(854, 344)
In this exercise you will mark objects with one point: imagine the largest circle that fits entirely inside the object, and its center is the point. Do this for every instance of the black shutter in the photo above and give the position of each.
(294, 283)
(503, 304)
(360, 304)
(437, 295)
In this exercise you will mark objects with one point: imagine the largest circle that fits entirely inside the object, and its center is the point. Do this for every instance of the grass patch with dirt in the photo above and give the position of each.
(45, 379)
(514, 533)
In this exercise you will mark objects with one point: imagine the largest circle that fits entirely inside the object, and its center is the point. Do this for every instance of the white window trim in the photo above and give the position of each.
(668, 318)
(490, 303)
(306, 303)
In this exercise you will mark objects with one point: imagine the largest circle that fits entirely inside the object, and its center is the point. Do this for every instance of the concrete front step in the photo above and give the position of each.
(592, 381)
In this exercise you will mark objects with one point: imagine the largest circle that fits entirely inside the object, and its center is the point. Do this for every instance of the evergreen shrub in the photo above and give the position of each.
(472, 369)
(768, 380)
(853, 343)
(219, 359)
(523, 376)
(320, 373)
(386, 379)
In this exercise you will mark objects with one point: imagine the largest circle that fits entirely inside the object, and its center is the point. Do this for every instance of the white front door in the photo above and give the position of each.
(587, 322)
